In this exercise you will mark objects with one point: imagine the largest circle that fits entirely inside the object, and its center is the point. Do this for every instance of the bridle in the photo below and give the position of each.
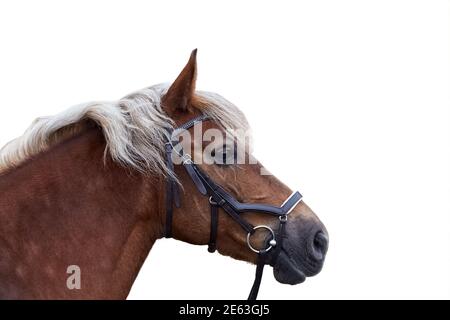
(219, 198)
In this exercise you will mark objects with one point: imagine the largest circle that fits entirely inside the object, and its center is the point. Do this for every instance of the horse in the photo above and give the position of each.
(90, 190)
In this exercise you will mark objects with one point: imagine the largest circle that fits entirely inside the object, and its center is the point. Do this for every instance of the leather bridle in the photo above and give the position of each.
(219, 198)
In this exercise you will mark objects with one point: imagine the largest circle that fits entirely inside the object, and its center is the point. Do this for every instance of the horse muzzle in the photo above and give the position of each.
(302, 254)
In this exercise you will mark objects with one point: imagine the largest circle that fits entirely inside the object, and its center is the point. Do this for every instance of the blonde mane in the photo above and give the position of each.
(134, 128)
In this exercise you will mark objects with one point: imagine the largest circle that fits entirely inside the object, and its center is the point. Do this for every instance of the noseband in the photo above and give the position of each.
(219, 198)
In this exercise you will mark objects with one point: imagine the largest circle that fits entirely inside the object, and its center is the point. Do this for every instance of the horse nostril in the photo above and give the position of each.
(320, 245)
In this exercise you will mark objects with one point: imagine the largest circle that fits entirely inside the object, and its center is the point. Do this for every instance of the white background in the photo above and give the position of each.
(349, 101)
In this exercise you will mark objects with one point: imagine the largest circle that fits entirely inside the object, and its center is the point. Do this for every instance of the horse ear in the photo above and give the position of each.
(180, 93)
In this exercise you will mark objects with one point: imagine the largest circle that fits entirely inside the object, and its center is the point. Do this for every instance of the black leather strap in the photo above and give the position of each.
(169, 193)
(263, 208)
(258, 275)
(263, 259)
(281, 234)
(172, 188)
(190, 169)
(212, 245)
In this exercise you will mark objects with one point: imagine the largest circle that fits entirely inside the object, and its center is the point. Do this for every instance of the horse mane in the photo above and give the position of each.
(134, 128)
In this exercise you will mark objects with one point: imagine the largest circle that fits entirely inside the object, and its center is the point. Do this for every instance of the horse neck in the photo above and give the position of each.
(68, 206)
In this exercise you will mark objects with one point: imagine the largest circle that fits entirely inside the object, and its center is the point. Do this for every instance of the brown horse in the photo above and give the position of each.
(82, 197)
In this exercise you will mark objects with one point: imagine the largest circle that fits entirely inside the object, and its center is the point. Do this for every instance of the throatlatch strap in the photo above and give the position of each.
(169, 209)
(214, 224)
(169, 193)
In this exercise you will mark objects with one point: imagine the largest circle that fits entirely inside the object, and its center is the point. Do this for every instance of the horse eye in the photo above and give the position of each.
(224, 156)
